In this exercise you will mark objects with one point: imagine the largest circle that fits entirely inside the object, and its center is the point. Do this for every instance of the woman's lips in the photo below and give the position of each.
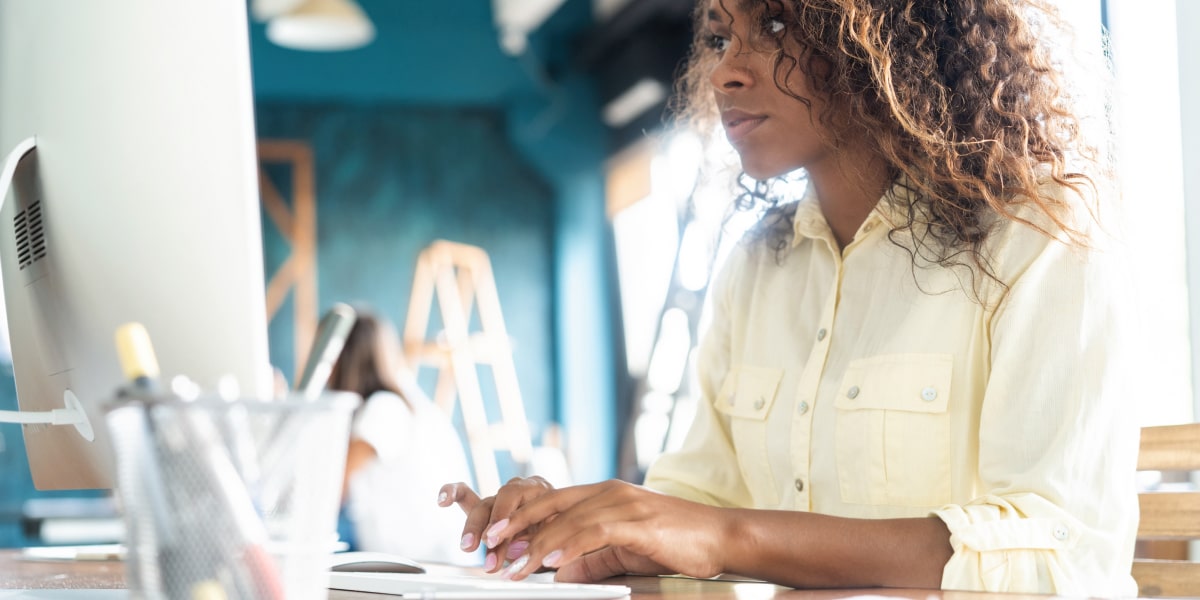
(738, 125)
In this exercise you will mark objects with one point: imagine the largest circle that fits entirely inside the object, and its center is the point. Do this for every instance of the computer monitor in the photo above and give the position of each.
(139, 203)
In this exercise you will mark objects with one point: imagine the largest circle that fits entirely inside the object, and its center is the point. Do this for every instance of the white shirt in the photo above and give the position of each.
(393, 500)
(850, 383)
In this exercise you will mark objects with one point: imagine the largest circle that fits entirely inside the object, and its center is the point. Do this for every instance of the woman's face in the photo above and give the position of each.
(773, 132)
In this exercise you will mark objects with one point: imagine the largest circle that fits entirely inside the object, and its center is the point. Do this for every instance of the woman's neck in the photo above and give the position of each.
(848, 187)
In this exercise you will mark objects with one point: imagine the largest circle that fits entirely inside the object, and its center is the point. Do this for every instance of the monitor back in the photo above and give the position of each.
(140, 203)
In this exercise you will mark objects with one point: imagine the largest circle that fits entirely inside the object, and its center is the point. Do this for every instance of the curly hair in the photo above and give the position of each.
(967, 107)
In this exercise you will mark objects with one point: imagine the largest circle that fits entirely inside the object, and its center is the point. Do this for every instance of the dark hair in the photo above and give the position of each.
(965, 104)
(370, 359)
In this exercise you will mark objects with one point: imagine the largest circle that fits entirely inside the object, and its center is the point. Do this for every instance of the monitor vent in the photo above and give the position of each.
(30, 235)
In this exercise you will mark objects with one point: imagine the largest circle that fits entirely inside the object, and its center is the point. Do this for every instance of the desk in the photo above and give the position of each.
(23, 574)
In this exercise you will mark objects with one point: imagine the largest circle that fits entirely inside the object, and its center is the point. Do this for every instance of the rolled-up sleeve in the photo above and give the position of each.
(1057, 434)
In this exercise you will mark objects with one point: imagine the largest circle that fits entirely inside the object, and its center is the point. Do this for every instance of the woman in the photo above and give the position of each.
(913, 375)
(402, 447)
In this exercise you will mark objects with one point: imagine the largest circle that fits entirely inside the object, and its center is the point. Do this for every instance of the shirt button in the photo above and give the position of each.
(758, 404)
(821, 333)
(852, 393)
(868, 227)
(802, 408)
(732, 400)
(799, 485)
(1061, 533)
(929, 394)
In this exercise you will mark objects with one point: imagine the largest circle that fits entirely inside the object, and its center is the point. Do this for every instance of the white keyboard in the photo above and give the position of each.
(463, 587)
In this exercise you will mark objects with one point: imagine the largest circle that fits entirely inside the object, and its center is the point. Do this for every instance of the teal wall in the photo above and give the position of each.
(390, 180)
(571, 154)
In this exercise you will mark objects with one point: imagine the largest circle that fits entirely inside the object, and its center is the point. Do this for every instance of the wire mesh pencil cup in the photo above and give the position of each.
(233, 499)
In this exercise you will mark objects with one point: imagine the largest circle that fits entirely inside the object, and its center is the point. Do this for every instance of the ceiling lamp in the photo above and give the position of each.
(322, 25)
(264, 10)
(516, 19)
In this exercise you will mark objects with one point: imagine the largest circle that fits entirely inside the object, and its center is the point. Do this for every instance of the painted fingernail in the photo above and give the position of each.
(493, 532)
(442, 497)
(515, 567)
(489, 563)
(516, 549)
(467, 540)
(552, 559)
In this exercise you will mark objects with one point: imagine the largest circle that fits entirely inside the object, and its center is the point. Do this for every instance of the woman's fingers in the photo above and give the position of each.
(478, 512)
(516, 493)
(540, 510)
(509, 498)
(460, 494)
(490, 514)
(470, 503)
(477, 520)
(643, 527)
(587, 519)
(587, 532)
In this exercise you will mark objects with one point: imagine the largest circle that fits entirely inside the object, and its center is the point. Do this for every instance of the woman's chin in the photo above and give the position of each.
(761, 166)
(760, 172)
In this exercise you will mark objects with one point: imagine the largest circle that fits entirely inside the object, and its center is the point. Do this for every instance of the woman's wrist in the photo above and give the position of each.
(736, 539)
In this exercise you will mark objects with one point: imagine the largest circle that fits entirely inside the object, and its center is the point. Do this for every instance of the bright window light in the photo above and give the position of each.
(1149, 146)
(646, 236)
(695, 254)
(670, 353)
(651, 427)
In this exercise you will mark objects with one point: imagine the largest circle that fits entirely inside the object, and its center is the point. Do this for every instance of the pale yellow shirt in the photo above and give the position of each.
(849, 383)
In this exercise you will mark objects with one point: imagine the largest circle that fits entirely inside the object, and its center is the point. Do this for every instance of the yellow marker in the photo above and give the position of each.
(135, 352)
(208, 590)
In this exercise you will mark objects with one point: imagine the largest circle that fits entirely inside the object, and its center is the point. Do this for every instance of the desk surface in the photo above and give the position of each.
(16, 573)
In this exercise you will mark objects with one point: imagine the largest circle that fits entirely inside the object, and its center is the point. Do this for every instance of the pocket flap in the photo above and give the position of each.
(748, 392)
(907, 382)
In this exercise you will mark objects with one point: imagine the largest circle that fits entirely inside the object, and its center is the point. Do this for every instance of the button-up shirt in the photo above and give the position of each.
(855, 382)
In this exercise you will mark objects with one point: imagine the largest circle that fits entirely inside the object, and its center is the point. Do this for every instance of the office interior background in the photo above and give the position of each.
(538, 130)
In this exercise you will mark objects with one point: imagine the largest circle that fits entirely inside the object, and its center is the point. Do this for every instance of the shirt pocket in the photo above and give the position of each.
(746, 397)
(893, 430)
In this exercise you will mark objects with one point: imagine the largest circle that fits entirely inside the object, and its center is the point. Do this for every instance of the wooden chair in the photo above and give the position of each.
(1169, 515)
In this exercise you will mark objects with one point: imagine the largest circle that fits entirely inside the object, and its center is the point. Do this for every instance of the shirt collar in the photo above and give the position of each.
(891, 210)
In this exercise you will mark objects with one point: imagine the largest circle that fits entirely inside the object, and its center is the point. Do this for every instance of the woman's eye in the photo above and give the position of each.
(718, 43)
(774, 25)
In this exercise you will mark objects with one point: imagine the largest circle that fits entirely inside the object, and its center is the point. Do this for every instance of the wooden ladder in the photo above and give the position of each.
(461, 278)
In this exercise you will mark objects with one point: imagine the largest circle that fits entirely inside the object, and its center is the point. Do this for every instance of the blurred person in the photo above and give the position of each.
(402, 447)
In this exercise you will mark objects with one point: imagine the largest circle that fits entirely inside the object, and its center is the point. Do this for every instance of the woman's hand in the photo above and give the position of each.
(484, 513)
(591, 532)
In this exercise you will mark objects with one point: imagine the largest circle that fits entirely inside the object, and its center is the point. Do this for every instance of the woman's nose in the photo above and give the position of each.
(733, 69)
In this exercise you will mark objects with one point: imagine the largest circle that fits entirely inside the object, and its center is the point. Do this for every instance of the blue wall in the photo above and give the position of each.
(571, 155)
(17, 484)
(390, 180)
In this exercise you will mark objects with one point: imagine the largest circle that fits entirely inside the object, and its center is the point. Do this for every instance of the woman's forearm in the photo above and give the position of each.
(802, 549)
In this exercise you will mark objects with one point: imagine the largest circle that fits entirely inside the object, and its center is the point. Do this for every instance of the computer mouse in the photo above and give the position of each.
(373, 562)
